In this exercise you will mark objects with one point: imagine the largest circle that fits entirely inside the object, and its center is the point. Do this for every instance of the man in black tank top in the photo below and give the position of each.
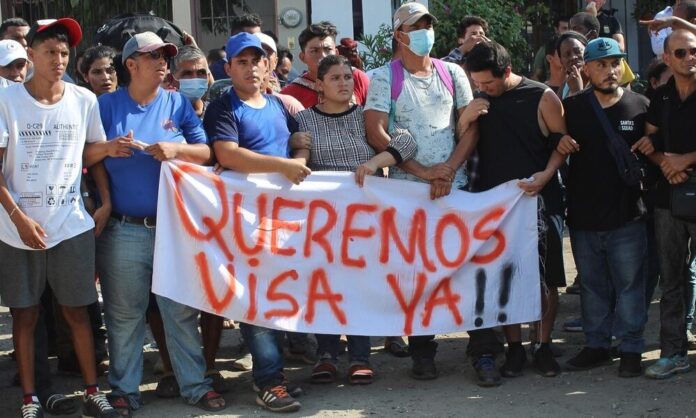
(518, 135)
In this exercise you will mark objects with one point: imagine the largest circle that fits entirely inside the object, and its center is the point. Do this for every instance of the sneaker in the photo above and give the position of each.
(515, 359)
(668, 367)
(544, 361)
(96, 405)
(277, 399)
(691, 340)
(589, 358)
(32, 410)
(486, 372)
(423, 368)
(573, 325)
(630, 365)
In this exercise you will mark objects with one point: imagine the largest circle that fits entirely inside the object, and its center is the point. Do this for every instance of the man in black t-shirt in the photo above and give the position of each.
(518, 133)
(671, 126)
(605, 215)
(609, 26)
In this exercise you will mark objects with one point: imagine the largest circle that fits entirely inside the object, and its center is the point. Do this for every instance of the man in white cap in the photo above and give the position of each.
(433, 93)
(166, 127)
(13, 62)
(46, 235)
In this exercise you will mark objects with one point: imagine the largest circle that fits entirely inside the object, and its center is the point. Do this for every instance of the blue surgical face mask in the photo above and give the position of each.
(422, 41)
(193, 88)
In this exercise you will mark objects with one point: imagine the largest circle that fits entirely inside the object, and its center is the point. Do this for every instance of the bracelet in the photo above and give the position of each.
(16, 208)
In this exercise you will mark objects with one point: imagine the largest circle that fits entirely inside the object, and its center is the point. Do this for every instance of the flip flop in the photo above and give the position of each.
(121, 406)
(324, 372)
(360, 374)
(396, 347)
(206, 404)
(59, 404)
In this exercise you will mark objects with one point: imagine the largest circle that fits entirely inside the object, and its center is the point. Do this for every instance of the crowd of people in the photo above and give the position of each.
(81, 163)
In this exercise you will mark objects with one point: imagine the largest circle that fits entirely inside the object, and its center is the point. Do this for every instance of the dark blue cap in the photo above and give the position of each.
(600, 48)
(241, 41)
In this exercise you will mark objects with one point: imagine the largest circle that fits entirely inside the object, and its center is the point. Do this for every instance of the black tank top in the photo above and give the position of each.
(511, 144)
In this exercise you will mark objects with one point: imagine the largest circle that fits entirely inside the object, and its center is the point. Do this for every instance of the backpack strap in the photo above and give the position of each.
(444, 75)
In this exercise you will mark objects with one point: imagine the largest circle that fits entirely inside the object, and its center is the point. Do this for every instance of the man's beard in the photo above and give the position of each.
(608, 90)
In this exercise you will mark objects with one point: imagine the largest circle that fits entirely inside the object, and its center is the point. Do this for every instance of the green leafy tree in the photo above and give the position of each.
(377, 51)
(506, 19)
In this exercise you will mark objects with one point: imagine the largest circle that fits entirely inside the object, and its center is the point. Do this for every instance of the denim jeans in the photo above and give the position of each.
(124, 261)
(266, 354)
(612, 265)
(676, 280)
(358, 347)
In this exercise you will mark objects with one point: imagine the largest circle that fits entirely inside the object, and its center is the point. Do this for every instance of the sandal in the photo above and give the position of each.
(121, 406)
(396, 346)
(167, 387)
(219, 384)
(360, 374)
(324, 372)
(59, 404)
(207, 402)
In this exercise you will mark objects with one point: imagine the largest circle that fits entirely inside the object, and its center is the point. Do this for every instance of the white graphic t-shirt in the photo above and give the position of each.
(426, 108)
(42, 163)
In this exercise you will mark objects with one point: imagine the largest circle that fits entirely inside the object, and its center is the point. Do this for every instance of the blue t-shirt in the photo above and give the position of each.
(265, 130)
(134, 180)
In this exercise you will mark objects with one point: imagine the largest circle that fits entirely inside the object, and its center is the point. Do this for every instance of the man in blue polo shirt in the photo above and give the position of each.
(250, 133)
(165, 125)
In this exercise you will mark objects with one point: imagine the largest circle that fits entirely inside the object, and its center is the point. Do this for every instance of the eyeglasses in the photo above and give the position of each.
(155, 55)
(681, 52)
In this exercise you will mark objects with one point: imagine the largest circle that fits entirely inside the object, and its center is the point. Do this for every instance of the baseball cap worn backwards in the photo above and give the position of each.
(147, 42)
(602, 48)
(241, 41)
(410, 13)
(10, 51)
(71, 26)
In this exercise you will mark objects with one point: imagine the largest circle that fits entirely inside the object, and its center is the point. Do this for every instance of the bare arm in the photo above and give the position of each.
(230, 155)
(376, 125)
(619, 38)
(101, 215)
(666, 22)
(122, 146)
(30, 232)
(192, 153)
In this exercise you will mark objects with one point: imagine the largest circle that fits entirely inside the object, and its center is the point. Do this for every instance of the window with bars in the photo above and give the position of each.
(215, 15)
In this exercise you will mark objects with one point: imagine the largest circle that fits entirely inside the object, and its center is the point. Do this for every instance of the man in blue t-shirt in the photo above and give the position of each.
(164, 125)
(250, 132)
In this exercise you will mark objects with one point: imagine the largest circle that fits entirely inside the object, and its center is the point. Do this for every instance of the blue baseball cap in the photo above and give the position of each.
(600, 48)
(241, 41)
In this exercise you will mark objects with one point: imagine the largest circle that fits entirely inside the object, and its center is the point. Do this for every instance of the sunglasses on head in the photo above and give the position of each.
(681, 52)
(155, 55)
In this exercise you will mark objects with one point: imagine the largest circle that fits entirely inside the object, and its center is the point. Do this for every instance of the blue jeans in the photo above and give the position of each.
(613, 270)
(358, 347)
(124, 261)
(266, 354)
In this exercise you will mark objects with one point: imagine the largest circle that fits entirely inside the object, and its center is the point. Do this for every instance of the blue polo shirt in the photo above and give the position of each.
(264, 130)
(134, 181)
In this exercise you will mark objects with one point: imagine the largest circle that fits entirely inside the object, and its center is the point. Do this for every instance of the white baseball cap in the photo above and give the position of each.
(266, 40)
(10, 51)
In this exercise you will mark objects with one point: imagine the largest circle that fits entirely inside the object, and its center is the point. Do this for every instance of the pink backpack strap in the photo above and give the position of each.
(444, 75)
(397, 79)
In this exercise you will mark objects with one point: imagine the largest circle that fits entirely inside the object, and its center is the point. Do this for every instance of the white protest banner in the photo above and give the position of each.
(327, 256)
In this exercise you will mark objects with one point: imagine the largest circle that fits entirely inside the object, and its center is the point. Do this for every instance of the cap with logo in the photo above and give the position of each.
(600, 48)
(147, 42)
(241, 41)
(410, 13)
(71, 26)
(266, 40)
(10, 51)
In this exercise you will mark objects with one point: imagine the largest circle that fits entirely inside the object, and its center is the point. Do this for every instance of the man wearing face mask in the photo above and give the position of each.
(189, 70)
(427, 108)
